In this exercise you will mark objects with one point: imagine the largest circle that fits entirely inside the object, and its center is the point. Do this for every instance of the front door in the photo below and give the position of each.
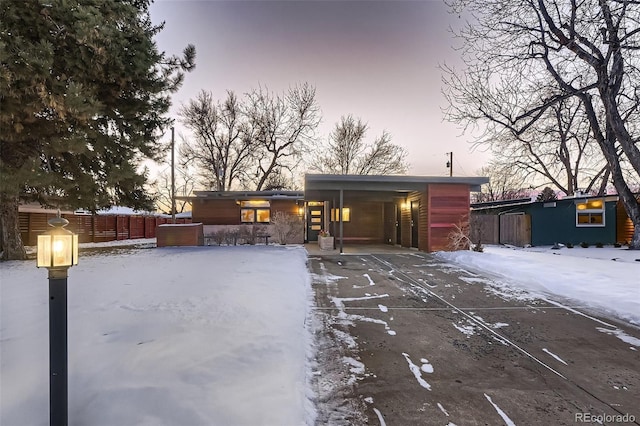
(315, 219)
(399, 224)
(415, 212)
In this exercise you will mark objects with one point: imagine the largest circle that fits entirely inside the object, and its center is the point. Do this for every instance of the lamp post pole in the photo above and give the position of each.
(57, 251)
(58, 377)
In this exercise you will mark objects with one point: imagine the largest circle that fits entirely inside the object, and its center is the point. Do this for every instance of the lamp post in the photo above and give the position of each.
(57, 251)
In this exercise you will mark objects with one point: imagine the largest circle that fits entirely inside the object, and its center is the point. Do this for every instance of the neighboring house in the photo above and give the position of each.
(572, 220)
(409, 211)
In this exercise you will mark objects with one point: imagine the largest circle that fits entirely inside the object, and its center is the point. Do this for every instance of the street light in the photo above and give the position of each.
(57, 251)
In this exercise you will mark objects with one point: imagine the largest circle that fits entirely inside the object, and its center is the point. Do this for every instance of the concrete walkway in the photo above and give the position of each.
(350, 249)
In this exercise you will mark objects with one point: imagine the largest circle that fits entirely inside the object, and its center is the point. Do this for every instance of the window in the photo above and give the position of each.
(590, 213)
(255, 211)
(346, 215)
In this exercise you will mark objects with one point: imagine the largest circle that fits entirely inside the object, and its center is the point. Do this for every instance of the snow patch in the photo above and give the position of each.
(383, 308)
(380, 418)
(502, 414)
(443, 410)
(620, 334)
(554, 355)
(417, 372)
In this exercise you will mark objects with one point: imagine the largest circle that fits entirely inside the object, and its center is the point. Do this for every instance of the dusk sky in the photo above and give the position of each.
(377, 60)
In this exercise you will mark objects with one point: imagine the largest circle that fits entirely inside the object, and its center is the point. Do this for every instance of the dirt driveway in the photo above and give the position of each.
(405, 339)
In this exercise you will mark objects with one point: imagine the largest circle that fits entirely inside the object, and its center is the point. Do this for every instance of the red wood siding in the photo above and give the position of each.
(93, 228)
(180, 235)
(448, 205)
(216, 212)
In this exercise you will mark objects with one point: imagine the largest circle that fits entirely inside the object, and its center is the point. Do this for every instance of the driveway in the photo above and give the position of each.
(404, 338)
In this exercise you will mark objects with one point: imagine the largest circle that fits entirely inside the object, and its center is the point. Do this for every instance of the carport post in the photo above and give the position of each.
(341, 223)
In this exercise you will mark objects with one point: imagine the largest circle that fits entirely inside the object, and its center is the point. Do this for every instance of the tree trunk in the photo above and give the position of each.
(11, 241)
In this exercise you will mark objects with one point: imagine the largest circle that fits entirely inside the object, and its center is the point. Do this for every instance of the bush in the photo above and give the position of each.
(569, 245)
(617, 245)
(584, 244)
(599, 245)
(286, 226)
(219, 237)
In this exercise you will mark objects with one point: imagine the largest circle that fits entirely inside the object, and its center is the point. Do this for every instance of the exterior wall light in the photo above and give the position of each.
(57, 251)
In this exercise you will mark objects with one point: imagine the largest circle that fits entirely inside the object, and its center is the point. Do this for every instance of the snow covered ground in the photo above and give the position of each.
(604, 279)
(171, 336)
(221, 335)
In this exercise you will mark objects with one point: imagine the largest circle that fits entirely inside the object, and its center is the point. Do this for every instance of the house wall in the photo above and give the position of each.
(227, 211)
(624, 226)
(286, 206)
(447, 206)
(215, 212)
(551, 225)
(413, 197)
(389, 215)
(366, 224)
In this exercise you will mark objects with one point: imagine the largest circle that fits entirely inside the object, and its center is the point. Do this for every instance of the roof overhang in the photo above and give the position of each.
(244, 195)
(401, 185)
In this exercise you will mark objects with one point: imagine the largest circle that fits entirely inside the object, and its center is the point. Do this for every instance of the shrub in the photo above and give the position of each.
(569, 245)
(219, 237)
(286, 226)
(584, 244)
(231, 236)
(617, 245)
(599, 245)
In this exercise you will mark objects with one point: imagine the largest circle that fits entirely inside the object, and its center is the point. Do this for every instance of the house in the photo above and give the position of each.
(409, 211)
(574, 220)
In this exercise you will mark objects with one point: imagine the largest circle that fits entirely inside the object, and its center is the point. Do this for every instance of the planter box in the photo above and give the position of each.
(325, 243)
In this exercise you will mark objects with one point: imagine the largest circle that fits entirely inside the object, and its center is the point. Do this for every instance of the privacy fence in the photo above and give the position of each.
(514, 229)
(94, 228)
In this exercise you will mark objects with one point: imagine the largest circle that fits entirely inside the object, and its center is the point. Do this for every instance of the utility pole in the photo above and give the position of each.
(173, 176)
(450, 163)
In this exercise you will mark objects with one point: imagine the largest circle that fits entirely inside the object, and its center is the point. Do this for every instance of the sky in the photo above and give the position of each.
(377, 60)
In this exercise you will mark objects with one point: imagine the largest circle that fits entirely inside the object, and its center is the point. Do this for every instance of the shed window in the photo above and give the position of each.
(590, 213)
(255, 211)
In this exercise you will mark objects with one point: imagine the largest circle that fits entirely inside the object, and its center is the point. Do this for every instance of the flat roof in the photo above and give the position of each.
(394, 183)
(271, 195)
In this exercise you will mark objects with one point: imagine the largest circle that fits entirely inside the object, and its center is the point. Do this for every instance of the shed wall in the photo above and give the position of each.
(448, 205)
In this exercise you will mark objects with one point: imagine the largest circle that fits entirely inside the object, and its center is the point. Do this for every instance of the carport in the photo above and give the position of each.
(407, 211)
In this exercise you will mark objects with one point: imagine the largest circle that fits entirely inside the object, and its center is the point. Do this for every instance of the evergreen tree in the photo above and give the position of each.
(84, 93)
(546, 195)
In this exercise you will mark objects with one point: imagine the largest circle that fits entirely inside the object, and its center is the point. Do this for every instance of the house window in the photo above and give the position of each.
(590, 213)
(346, 215)
(255, 211)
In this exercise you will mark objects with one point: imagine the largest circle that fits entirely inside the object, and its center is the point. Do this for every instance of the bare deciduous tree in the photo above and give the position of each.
(557, 150)
(221, 147)
(161, 189)
(522, 58)
(281, 128)
(347, 153)
(503, 184)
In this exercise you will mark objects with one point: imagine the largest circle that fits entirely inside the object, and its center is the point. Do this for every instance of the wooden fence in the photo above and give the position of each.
(501, 229)
(94, 228)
